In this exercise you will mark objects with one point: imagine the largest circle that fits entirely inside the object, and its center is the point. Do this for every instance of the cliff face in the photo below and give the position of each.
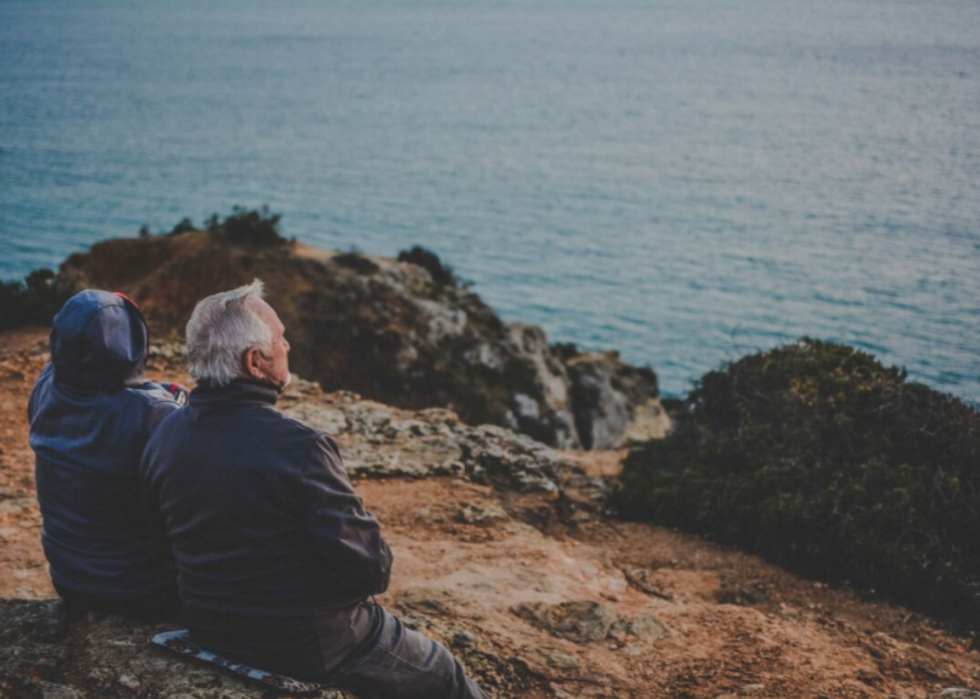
(391, 331)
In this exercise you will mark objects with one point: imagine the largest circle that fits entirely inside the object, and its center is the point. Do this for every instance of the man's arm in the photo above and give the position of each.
(347, 536)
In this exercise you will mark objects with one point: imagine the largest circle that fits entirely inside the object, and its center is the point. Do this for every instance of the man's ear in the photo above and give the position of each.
(251, 360)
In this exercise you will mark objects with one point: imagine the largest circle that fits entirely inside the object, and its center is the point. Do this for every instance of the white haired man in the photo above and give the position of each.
(276, 557)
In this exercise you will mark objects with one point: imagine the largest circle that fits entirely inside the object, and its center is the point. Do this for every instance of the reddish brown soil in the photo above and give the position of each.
(736, 625)
(23, 572)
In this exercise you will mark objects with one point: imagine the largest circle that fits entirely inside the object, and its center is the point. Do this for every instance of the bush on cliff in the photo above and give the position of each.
(442, 274)
(183, 226)
(566, 351)
(33, 301)
(820, 458)
(258, 227)
(357, 262)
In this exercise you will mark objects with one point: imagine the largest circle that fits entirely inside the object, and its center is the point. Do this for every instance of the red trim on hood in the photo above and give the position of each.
(123, 296)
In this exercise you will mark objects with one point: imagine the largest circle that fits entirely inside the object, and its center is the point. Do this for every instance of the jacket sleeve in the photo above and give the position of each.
(153, 518)
(157, 410)
(346, 535)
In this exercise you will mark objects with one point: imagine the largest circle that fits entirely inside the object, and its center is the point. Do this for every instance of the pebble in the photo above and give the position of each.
(130, 681)
(562, 661)
(49, 690)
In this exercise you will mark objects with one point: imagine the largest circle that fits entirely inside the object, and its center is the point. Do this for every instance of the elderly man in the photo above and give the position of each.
(275, 555)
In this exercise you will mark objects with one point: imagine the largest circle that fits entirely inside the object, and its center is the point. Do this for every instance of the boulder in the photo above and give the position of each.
(614, 402)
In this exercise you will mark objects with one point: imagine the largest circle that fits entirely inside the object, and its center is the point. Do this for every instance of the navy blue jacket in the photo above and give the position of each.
(91, 414)
(274, 551)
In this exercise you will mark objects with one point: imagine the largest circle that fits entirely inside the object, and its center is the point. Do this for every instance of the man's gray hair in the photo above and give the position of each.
(221, 330)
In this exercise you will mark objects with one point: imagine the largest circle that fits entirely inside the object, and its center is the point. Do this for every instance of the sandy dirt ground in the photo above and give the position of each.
(470, 560)
(23, 571)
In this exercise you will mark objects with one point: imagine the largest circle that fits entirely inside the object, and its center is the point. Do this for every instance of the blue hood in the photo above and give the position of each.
(98, 342)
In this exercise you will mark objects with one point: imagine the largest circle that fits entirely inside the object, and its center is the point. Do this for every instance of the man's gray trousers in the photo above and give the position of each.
(398, 663)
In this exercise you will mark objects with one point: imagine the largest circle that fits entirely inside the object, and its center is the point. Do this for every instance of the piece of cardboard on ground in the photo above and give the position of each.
(180, 642)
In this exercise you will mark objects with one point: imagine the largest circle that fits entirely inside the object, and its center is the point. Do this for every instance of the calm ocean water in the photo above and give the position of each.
(685, 181)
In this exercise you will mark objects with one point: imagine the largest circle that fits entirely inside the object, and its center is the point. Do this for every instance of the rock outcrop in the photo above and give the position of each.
(380, 441)
(396, 332)
(43, 656)
(614, 402)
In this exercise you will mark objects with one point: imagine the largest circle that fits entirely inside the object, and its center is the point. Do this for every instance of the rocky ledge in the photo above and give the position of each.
(43, 656)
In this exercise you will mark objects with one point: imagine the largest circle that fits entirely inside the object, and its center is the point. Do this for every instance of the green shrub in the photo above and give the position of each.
(442, 275)
(257, 227)
(34, 301)
(566, 351)
(185, 224)
(357, 262)
(823, 460)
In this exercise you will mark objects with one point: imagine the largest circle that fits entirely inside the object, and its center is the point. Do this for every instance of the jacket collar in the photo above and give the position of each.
(238, 392)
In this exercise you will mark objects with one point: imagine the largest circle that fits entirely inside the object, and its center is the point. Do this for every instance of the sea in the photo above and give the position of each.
(685, 181)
